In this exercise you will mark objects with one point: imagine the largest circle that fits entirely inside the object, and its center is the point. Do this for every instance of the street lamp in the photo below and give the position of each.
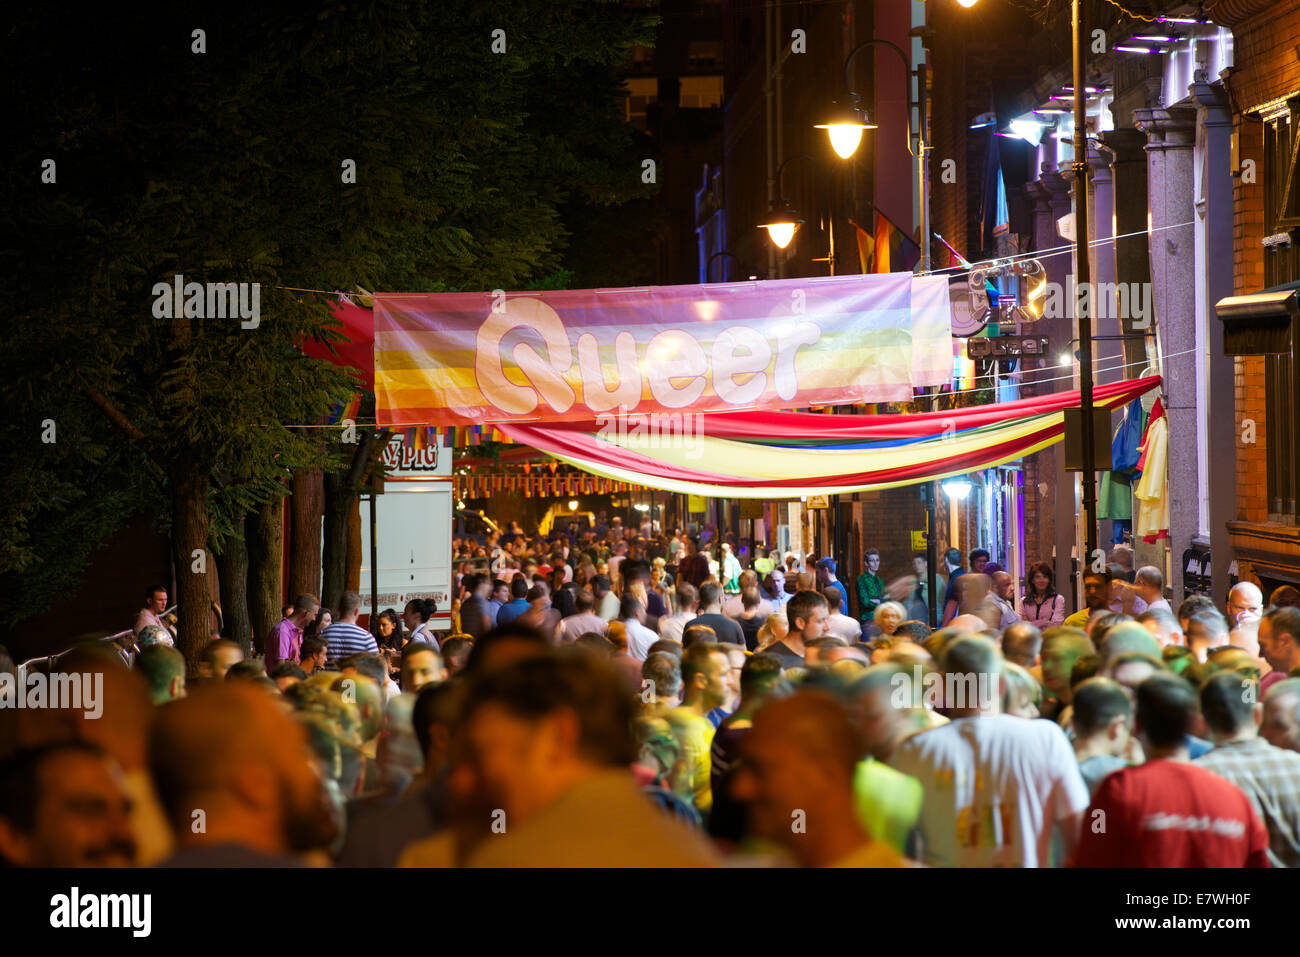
(957, 487)
(846, 122)
(783, 219)
(781, 223)
(845, 125)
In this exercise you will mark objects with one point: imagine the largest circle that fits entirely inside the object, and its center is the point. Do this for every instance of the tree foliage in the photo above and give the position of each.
(228, 166)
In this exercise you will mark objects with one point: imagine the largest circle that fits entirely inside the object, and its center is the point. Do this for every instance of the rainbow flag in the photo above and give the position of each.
(895, 251)
(866, 248)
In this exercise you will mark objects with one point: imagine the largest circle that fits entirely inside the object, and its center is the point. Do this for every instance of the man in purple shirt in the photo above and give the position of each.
(285, 640)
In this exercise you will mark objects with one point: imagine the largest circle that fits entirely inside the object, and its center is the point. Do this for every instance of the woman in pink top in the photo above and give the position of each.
(1042, 606)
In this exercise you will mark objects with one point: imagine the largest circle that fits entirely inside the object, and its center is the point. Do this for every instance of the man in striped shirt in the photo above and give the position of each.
(345, 637)
(1269, 776)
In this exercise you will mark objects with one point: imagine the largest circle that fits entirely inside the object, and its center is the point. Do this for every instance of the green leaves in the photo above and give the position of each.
(473, 170)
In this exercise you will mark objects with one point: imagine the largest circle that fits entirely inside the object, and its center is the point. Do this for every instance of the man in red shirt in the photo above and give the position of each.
(1168, 812)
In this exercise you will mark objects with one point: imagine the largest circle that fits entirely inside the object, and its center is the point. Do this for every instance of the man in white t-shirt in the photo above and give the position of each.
(996, 786)
(581, 621)
(639, 638)
(1149, 584)
(155, 603)
(672, 626)
(838, 623)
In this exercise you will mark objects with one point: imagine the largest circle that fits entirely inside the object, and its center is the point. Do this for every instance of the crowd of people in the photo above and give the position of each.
(622, 697)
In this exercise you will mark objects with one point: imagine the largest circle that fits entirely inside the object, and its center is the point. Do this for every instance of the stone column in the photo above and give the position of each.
(1171, 187)
(1214, 136)
(1132, 264)
(1056, 510)
(1109, 354)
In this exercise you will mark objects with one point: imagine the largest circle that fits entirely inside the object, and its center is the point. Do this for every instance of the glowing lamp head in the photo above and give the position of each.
(957, 488)
(967, 3)
(782, 222)
(845, 125)
(781, 233)
(573, 505)
(845, 139)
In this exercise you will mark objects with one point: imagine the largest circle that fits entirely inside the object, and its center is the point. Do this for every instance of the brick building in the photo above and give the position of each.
(1264, 88)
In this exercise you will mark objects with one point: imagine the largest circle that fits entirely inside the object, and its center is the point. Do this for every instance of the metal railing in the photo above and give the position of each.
(51, 659)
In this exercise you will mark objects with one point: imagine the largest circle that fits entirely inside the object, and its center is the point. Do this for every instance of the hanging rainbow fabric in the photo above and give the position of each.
(782, 455)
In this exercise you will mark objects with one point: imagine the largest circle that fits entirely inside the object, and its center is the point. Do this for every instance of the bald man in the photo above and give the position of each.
(968, 624)
(1149, 583)
(1003, 596)
(233, 771)
(801, 757)
(1243, 598)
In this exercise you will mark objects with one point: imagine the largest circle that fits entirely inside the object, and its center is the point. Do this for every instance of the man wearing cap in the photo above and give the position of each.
(828, 565)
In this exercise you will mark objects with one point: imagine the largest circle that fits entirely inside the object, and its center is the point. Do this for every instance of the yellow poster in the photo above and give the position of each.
(695, 503)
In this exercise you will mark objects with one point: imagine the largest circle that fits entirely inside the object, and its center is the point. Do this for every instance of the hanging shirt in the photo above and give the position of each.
(1152, 520)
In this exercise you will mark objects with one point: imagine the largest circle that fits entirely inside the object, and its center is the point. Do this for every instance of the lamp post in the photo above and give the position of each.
(845, 127)
(1084, 303)
(708, 270)
(847, 122)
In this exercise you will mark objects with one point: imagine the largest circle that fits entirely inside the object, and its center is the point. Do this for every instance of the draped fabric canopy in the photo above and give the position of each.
(789, 454)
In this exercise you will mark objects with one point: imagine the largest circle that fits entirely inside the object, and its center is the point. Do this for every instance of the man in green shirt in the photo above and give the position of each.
(871, 589)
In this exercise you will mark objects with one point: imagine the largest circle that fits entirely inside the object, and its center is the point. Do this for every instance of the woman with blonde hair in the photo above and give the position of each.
(774, 629)
(886, 618)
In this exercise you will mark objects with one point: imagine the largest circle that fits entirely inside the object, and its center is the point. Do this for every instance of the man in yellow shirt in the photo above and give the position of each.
(704, 687)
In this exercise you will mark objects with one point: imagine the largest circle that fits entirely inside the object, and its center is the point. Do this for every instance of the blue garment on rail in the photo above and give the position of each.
(1115, 495)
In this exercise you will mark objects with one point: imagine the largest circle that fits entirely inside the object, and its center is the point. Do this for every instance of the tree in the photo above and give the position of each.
(289, 148)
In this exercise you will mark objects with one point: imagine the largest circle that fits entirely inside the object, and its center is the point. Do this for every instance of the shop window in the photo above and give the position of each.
(1282, 265)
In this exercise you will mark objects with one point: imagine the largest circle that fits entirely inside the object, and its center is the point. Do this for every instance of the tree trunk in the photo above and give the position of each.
(189, 551)
(305, 510)
(334, 560)
(263, 535)
(355, 545)
(342, 558)
(233, 566)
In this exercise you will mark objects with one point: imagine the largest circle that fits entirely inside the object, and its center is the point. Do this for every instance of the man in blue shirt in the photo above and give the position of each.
(828, 566)
(517, 604)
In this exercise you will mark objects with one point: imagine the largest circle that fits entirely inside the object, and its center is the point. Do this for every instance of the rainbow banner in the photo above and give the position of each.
(496, 358)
